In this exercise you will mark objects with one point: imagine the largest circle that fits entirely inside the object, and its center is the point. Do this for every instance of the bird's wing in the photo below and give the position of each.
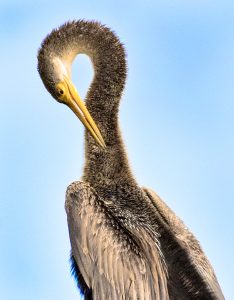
(194, 259)
(116, 262)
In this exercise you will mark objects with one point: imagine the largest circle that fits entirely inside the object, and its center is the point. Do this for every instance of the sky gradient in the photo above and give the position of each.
(176, 118)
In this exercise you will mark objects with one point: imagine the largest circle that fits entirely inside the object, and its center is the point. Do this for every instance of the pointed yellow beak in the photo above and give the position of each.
(69, 96)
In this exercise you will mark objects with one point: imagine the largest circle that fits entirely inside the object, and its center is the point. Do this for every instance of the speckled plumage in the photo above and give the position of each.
(126, 243)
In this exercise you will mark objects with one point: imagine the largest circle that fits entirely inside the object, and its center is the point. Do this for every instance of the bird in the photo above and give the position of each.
(126, 243)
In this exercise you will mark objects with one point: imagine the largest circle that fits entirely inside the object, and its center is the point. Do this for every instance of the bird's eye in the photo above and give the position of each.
(60, 90)
(61, 93)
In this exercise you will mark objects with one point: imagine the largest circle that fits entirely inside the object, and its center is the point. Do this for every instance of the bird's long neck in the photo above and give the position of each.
(110, 165)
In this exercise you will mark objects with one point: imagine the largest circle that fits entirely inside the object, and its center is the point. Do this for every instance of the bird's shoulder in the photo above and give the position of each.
(77, 192)
(123, 201)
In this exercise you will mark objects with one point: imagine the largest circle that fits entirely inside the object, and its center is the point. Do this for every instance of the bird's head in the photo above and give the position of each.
(55, 71)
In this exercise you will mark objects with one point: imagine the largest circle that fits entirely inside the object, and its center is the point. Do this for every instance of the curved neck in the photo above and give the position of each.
(109, 166)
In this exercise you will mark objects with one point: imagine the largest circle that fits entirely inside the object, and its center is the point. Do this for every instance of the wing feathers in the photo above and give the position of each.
(113, 265)
(195, 272)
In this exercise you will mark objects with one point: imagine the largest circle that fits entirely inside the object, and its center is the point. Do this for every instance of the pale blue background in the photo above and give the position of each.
(176, 118)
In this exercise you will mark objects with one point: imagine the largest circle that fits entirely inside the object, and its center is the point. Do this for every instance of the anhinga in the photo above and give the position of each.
(126, 243)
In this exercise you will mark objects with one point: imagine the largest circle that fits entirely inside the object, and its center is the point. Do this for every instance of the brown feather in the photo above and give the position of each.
(126, 243)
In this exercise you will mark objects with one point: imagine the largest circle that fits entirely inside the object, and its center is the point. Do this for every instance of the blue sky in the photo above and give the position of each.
(176, 117)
